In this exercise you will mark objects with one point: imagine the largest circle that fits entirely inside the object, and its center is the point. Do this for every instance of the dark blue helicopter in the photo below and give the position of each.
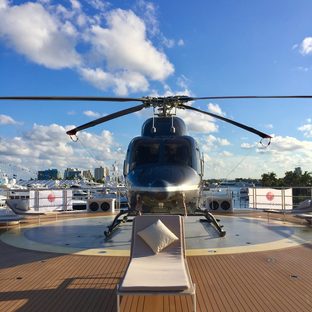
(163, 167)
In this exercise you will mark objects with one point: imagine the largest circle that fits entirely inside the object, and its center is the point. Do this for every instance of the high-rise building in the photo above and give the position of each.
(87, 174)
(72, 173)
(99, 173)
(50, 174)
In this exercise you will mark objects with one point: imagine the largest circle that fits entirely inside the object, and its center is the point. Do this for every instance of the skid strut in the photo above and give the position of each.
(122, 217)
(116, 222)
(211, 219)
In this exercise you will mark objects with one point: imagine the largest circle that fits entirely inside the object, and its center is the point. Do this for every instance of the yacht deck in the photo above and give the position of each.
(267, 280)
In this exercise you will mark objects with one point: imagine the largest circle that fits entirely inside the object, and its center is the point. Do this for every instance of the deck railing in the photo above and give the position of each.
(283, 198)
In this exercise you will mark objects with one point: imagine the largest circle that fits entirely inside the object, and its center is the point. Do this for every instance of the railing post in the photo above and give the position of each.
(283, 203)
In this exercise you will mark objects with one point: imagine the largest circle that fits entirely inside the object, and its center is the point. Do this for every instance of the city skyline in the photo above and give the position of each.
(140, 48)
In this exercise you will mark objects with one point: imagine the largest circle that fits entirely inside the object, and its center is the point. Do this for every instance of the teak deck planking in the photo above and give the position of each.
(273, 281)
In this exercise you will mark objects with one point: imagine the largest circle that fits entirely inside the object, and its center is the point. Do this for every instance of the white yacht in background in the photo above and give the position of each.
(3, 199)
(6, 183)
(39, 201)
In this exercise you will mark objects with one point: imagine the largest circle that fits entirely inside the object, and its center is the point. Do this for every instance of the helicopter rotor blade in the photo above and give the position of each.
(106, 118)
(72, 98)
(235, 123)
(145, 99)
(232, 97)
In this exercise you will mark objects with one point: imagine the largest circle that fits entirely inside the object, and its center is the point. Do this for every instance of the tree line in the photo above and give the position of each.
(291, 178)
(295, 178)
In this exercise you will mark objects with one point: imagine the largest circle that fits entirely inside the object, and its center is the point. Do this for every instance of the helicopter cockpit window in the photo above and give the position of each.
(145, 153)
(177, 153)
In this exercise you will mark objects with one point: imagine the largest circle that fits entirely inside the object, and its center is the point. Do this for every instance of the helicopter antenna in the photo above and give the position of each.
(173, 130)
(153, 127)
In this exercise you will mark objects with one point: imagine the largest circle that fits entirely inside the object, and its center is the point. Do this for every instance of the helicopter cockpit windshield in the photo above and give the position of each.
(145, 153)
(162, 152)
(177, 153)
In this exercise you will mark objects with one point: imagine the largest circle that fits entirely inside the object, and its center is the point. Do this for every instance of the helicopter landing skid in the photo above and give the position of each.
(211, 219)
(117, 222)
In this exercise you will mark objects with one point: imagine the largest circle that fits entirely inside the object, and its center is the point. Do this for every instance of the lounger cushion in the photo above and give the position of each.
(157, 236)
(160, 272)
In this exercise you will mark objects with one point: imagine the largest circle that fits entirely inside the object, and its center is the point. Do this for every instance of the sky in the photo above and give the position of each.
(155, 48)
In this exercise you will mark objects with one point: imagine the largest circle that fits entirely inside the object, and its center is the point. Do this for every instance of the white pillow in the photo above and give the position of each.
(157, 236)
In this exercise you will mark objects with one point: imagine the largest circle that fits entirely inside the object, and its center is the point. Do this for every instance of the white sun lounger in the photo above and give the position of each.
(163, 273)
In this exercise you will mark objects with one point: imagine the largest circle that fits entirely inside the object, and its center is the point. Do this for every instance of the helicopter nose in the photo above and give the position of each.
(160, 183)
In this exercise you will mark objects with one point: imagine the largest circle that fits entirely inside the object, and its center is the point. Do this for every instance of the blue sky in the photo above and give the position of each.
(139, 48)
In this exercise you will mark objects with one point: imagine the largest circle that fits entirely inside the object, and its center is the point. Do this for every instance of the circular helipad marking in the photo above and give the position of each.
(85, 236)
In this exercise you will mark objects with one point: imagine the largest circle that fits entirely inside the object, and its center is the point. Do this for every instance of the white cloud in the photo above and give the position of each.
(306, 46)
(248, 145)
(32, 31)
(306, 129)
(215, 109)
(182, 82)
(7, 120)
(180, 42)
(212, 140)
(124, 46)
(98, 4)
(122, 83)
(119, 56)
(211, 143)
(303, 69)
(198, 122)
(92, 114)
(225, 154)
(148, 10)
(169, 43)
(281, 144)
(223, 142)
(75, 4)
(49, 146)
(286, 154)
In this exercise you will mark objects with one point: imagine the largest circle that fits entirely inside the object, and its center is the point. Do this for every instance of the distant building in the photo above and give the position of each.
(87, 174)
(50, 174)
(99, 173)
(298, 171)
(72, 173)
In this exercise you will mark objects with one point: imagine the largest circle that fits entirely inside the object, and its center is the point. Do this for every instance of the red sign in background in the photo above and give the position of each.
(51, 197)
(269, 196)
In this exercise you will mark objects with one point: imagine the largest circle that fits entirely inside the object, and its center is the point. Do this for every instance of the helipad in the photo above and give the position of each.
(85, 236)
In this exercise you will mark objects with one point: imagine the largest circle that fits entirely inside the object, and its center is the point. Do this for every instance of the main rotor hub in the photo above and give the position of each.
(166, 106)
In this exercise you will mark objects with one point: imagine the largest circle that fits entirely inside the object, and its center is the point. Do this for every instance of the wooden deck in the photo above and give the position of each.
(279, 280)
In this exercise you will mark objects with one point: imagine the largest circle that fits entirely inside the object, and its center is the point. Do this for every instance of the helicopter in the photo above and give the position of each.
(163, 167)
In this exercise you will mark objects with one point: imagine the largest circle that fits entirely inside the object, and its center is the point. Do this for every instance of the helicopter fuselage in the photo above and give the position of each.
(163, 168)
